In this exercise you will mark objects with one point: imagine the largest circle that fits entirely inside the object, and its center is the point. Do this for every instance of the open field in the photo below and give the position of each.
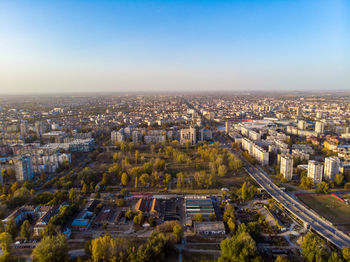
(328, 206)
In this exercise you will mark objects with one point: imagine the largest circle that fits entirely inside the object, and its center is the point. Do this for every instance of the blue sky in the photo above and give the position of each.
(64, 46)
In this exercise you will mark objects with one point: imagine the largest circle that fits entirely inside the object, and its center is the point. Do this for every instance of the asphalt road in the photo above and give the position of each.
(316, 222)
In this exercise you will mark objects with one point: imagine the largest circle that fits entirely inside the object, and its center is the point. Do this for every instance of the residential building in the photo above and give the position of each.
(319, 127)
(315, 171)
(23, 168)
(286, 168)
(188, 135)
(331, 167)
(301, 124)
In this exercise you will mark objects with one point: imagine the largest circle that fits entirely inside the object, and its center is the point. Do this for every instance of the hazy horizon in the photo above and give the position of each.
(150, 46)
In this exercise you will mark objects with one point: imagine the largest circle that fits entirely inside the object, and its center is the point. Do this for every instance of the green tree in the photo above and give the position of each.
(26, 230)
(51, 249)
(240, 248)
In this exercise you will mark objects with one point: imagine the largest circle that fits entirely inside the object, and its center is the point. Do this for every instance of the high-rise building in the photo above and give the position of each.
(319, 127)
(23, 168)
(40, 128)
(315, 171)
(227, 127)
(23, 128)
(299, 111)
(319, 115)
(301, 124)
(286, 168)
(331, 167)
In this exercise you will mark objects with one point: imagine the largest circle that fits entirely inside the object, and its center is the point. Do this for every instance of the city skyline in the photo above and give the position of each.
(189, 46)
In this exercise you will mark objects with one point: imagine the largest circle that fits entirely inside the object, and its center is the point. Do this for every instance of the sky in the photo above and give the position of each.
(166, 46)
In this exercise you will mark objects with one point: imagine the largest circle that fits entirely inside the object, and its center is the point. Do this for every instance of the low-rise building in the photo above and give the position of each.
(209, 228)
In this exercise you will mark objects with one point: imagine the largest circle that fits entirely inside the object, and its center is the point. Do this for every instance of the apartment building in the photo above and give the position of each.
(331, 167)
(315, 171)
(286, 168)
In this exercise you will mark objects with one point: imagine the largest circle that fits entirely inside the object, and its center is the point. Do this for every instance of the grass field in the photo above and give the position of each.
(328, 206)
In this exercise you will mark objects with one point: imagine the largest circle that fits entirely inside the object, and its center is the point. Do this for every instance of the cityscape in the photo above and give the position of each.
(190, 172)
(177, 131)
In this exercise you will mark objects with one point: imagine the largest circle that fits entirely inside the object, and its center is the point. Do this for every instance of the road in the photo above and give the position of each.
(316, 222)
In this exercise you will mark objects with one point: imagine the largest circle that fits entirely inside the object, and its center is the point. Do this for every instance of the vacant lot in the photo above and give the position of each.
(328, 206)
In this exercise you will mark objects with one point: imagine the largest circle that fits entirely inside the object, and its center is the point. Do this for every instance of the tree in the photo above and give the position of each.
(248, 191)
(137, 156)
(346, 254)
(231, 225)
(222, 170)
(178, 232)
(11, 228)
(180, 180)
(314, 248)
(147, 167)
(167, 180)
(144, 178)
(198, 218)
(212, 217)
(281, 259)
(107, 248)
(306, 183)
(120, 202)
(322, 187)
(5, 243)
(51, 249)
(129, 214)
(50, 230)
(26, 230)
(338, 179)
(124, 179)
(138, 220)
(85, 189)
(240, 248)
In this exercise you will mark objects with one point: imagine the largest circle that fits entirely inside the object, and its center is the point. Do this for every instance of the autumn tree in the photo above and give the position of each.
(51, 249)
(124, 179)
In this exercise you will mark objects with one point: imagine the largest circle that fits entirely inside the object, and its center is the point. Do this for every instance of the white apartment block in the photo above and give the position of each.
(261, 155)
(319, 127)
(301, 124)
(247, 145)
(286, 168)
(331, 167)
(315, 171)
